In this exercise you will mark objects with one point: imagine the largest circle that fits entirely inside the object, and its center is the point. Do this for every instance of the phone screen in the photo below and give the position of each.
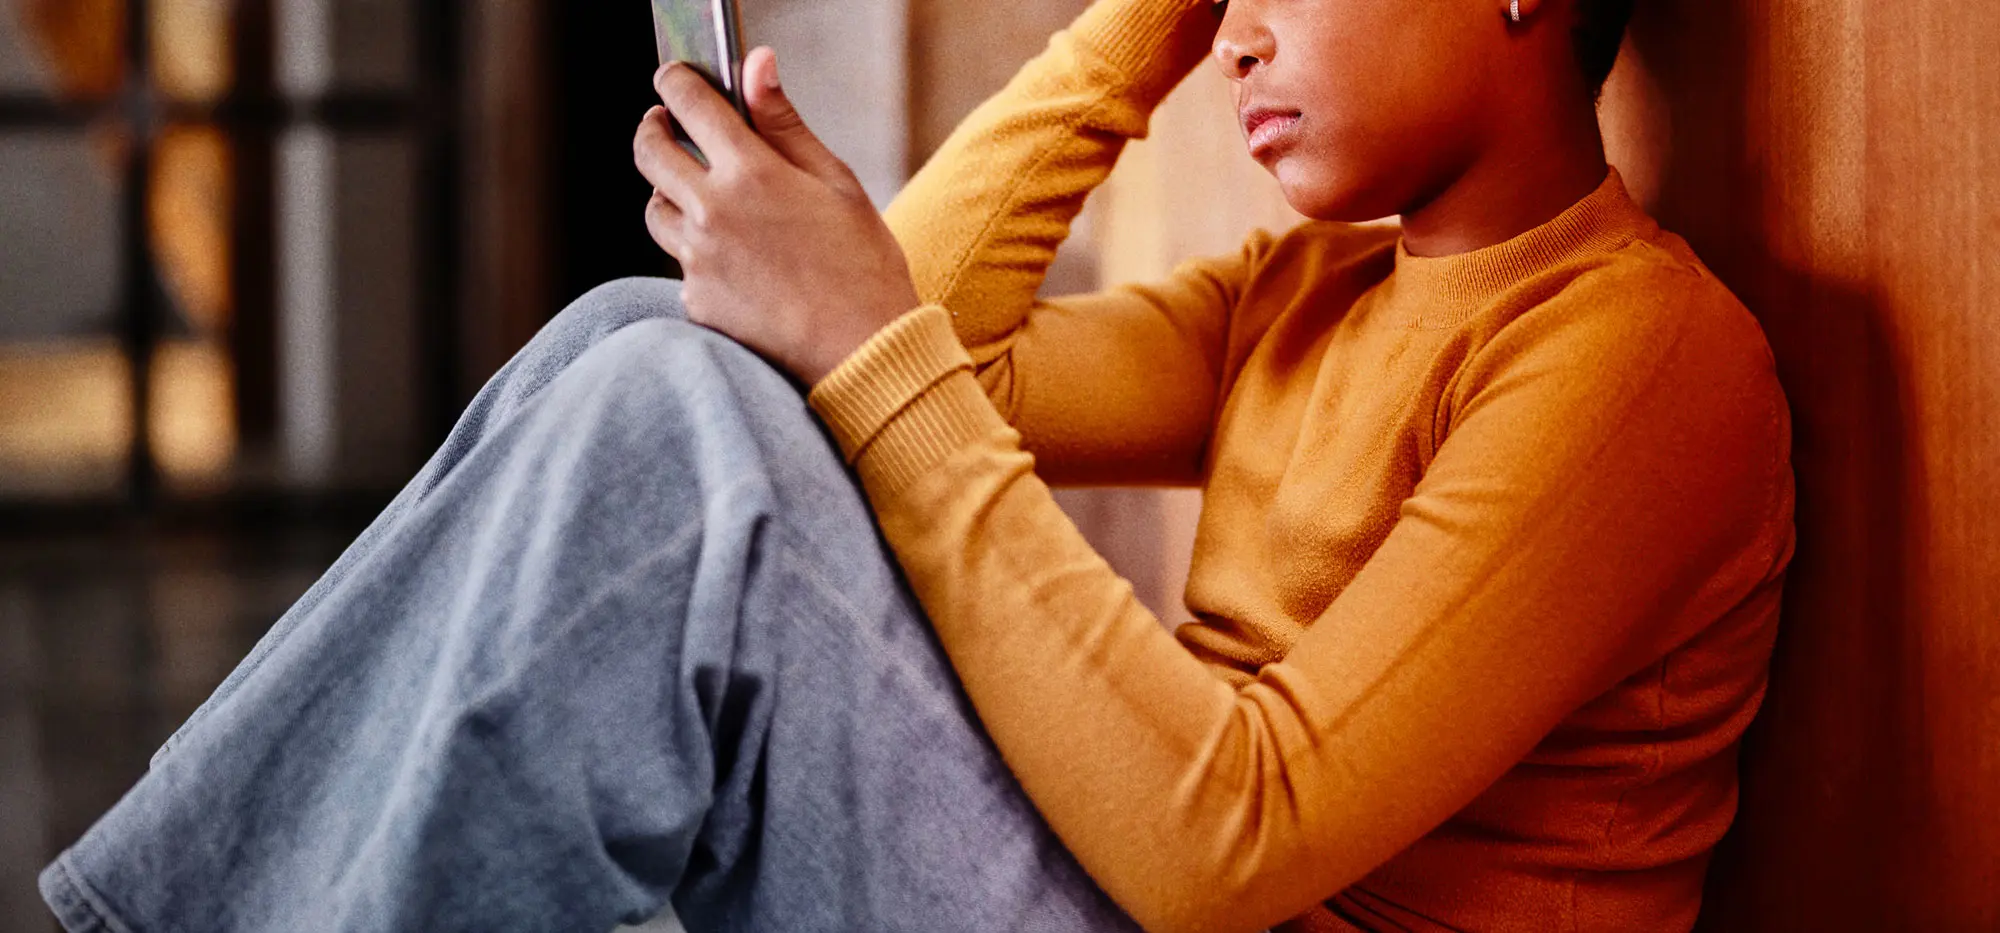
(703, 34)
(691, 31)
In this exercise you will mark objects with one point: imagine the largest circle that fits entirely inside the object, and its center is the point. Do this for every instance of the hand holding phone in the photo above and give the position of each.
(780, 247)
(707, 35)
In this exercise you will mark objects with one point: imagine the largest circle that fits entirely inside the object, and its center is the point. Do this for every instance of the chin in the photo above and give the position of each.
(1331, 193)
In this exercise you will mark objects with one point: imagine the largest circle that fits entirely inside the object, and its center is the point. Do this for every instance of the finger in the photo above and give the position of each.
(708, 119)
(668, 227)
(778, 121)
(667, 166)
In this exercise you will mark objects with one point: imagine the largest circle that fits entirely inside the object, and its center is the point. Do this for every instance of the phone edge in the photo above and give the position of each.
(730, 35)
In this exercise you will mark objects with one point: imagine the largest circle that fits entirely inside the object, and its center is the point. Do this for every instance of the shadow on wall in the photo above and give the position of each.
(1729, 156)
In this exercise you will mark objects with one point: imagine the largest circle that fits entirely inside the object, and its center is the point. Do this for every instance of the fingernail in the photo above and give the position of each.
(771, 81)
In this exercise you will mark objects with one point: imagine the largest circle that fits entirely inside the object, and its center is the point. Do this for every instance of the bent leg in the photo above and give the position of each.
(631, 635)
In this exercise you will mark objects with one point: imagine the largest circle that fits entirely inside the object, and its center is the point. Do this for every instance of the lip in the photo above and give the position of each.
(1266, 127)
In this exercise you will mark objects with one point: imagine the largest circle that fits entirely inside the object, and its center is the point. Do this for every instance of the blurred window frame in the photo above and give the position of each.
(127, 102)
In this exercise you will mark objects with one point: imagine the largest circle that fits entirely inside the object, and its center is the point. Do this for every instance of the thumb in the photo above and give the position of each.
(780, 124)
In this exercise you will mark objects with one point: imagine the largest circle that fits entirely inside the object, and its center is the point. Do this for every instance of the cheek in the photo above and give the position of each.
(1395, 99)
(1371, 154)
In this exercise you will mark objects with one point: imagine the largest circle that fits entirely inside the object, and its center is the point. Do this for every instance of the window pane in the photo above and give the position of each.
(70, 48)
(20, 71)
(193, 424)
(65, 419)
(65, 385)
(335, 46)
(347, 316)
(75, 48)
(65, 392)
(59, 229)
(191, 39)
(193, 427)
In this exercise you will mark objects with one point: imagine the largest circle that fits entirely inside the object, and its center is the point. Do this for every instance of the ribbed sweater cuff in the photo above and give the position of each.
(1152, 43)
(905, 401)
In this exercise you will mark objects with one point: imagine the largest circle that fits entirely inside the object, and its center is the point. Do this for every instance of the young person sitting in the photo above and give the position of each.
(1498, 504)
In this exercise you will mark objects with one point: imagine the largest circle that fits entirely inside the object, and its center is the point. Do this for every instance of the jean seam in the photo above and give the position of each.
(675, 545)
(813, 572)
(88, 900)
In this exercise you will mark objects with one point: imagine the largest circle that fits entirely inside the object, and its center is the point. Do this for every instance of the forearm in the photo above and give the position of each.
(982, 221)
(1156, 773)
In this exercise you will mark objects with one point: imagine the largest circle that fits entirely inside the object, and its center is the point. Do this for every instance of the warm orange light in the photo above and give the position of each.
(194, 413)
(65, 418)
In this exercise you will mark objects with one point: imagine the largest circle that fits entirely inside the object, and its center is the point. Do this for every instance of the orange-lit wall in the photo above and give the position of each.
(1839, 165)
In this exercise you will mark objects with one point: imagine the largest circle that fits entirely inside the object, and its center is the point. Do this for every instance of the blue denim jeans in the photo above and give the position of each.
(631, 638)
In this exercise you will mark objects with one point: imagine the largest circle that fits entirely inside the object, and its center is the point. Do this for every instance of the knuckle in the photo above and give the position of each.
(733, 179)
(680, 86)
(647, 141)
(785, 119)
(668, 80)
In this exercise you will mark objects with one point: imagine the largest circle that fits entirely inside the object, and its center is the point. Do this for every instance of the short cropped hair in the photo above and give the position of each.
(1600, 30)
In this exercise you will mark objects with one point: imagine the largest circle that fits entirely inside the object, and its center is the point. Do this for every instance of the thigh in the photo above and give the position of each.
(872, 798)
(860, 792)
(555, 349)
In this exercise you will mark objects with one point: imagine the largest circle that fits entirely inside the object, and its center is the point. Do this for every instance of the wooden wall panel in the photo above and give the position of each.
(506, 275)
(1839, 165)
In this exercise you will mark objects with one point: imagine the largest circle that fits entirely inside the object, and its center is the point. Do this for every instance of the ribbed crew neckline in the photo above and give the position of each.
(1446, 290)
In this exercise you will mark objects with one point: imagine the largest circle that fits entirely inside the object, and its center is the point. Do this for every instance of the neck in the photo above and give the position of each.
(1509, 192)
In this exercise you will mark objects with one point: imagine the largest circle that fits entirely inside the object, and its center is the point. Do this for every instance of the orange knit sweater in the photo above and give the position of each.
(1488, 568)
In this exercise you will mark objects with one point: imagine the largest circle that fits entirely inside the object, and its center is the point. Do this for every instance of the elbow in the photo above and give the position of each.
(1226, 901)
(1203, 911)
(1247, 880)
(1258, 856)
(1193, 921)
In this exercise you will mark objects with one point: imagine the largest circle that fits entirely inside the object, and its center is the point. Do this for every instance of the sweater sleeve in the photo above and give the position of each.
(1118, 386)
(1559, 531)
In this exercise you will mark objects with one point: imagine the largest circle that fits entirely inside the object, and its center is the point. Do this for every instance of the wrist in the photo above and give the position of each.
(833, 349)
(1153, 44)
(864, 392)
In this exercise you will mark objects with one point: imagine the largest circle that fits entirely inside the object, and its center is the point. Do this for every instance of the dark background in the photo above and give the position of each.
(125, 601)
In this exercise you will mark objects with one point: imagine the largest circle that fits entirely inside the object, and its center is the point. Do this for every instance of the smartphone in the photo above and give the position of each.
(708, 35)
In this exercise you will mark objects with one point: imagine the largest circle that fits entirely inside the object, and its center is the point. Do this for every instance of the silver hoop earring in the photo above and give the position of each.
(1514, 10)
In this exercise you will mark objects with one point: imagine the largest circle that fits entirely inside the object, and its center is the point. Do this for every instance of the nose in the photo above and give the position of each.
(1243, 43)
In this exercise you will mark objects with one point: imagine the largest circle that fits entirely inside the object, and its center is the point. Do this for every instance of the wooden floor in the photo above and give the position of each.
(108, 640)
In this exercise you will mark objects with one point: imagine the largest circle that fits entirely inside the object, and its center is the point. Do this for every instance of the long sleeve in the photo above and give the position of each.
(1605, 477)
(1119, 386)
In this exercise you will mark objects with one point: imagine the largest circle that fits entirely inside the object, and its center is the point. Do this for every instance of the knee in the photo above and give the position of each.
(626, 353)
(714, 399)
(587, 322)
(660, 363)
(613, 306)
